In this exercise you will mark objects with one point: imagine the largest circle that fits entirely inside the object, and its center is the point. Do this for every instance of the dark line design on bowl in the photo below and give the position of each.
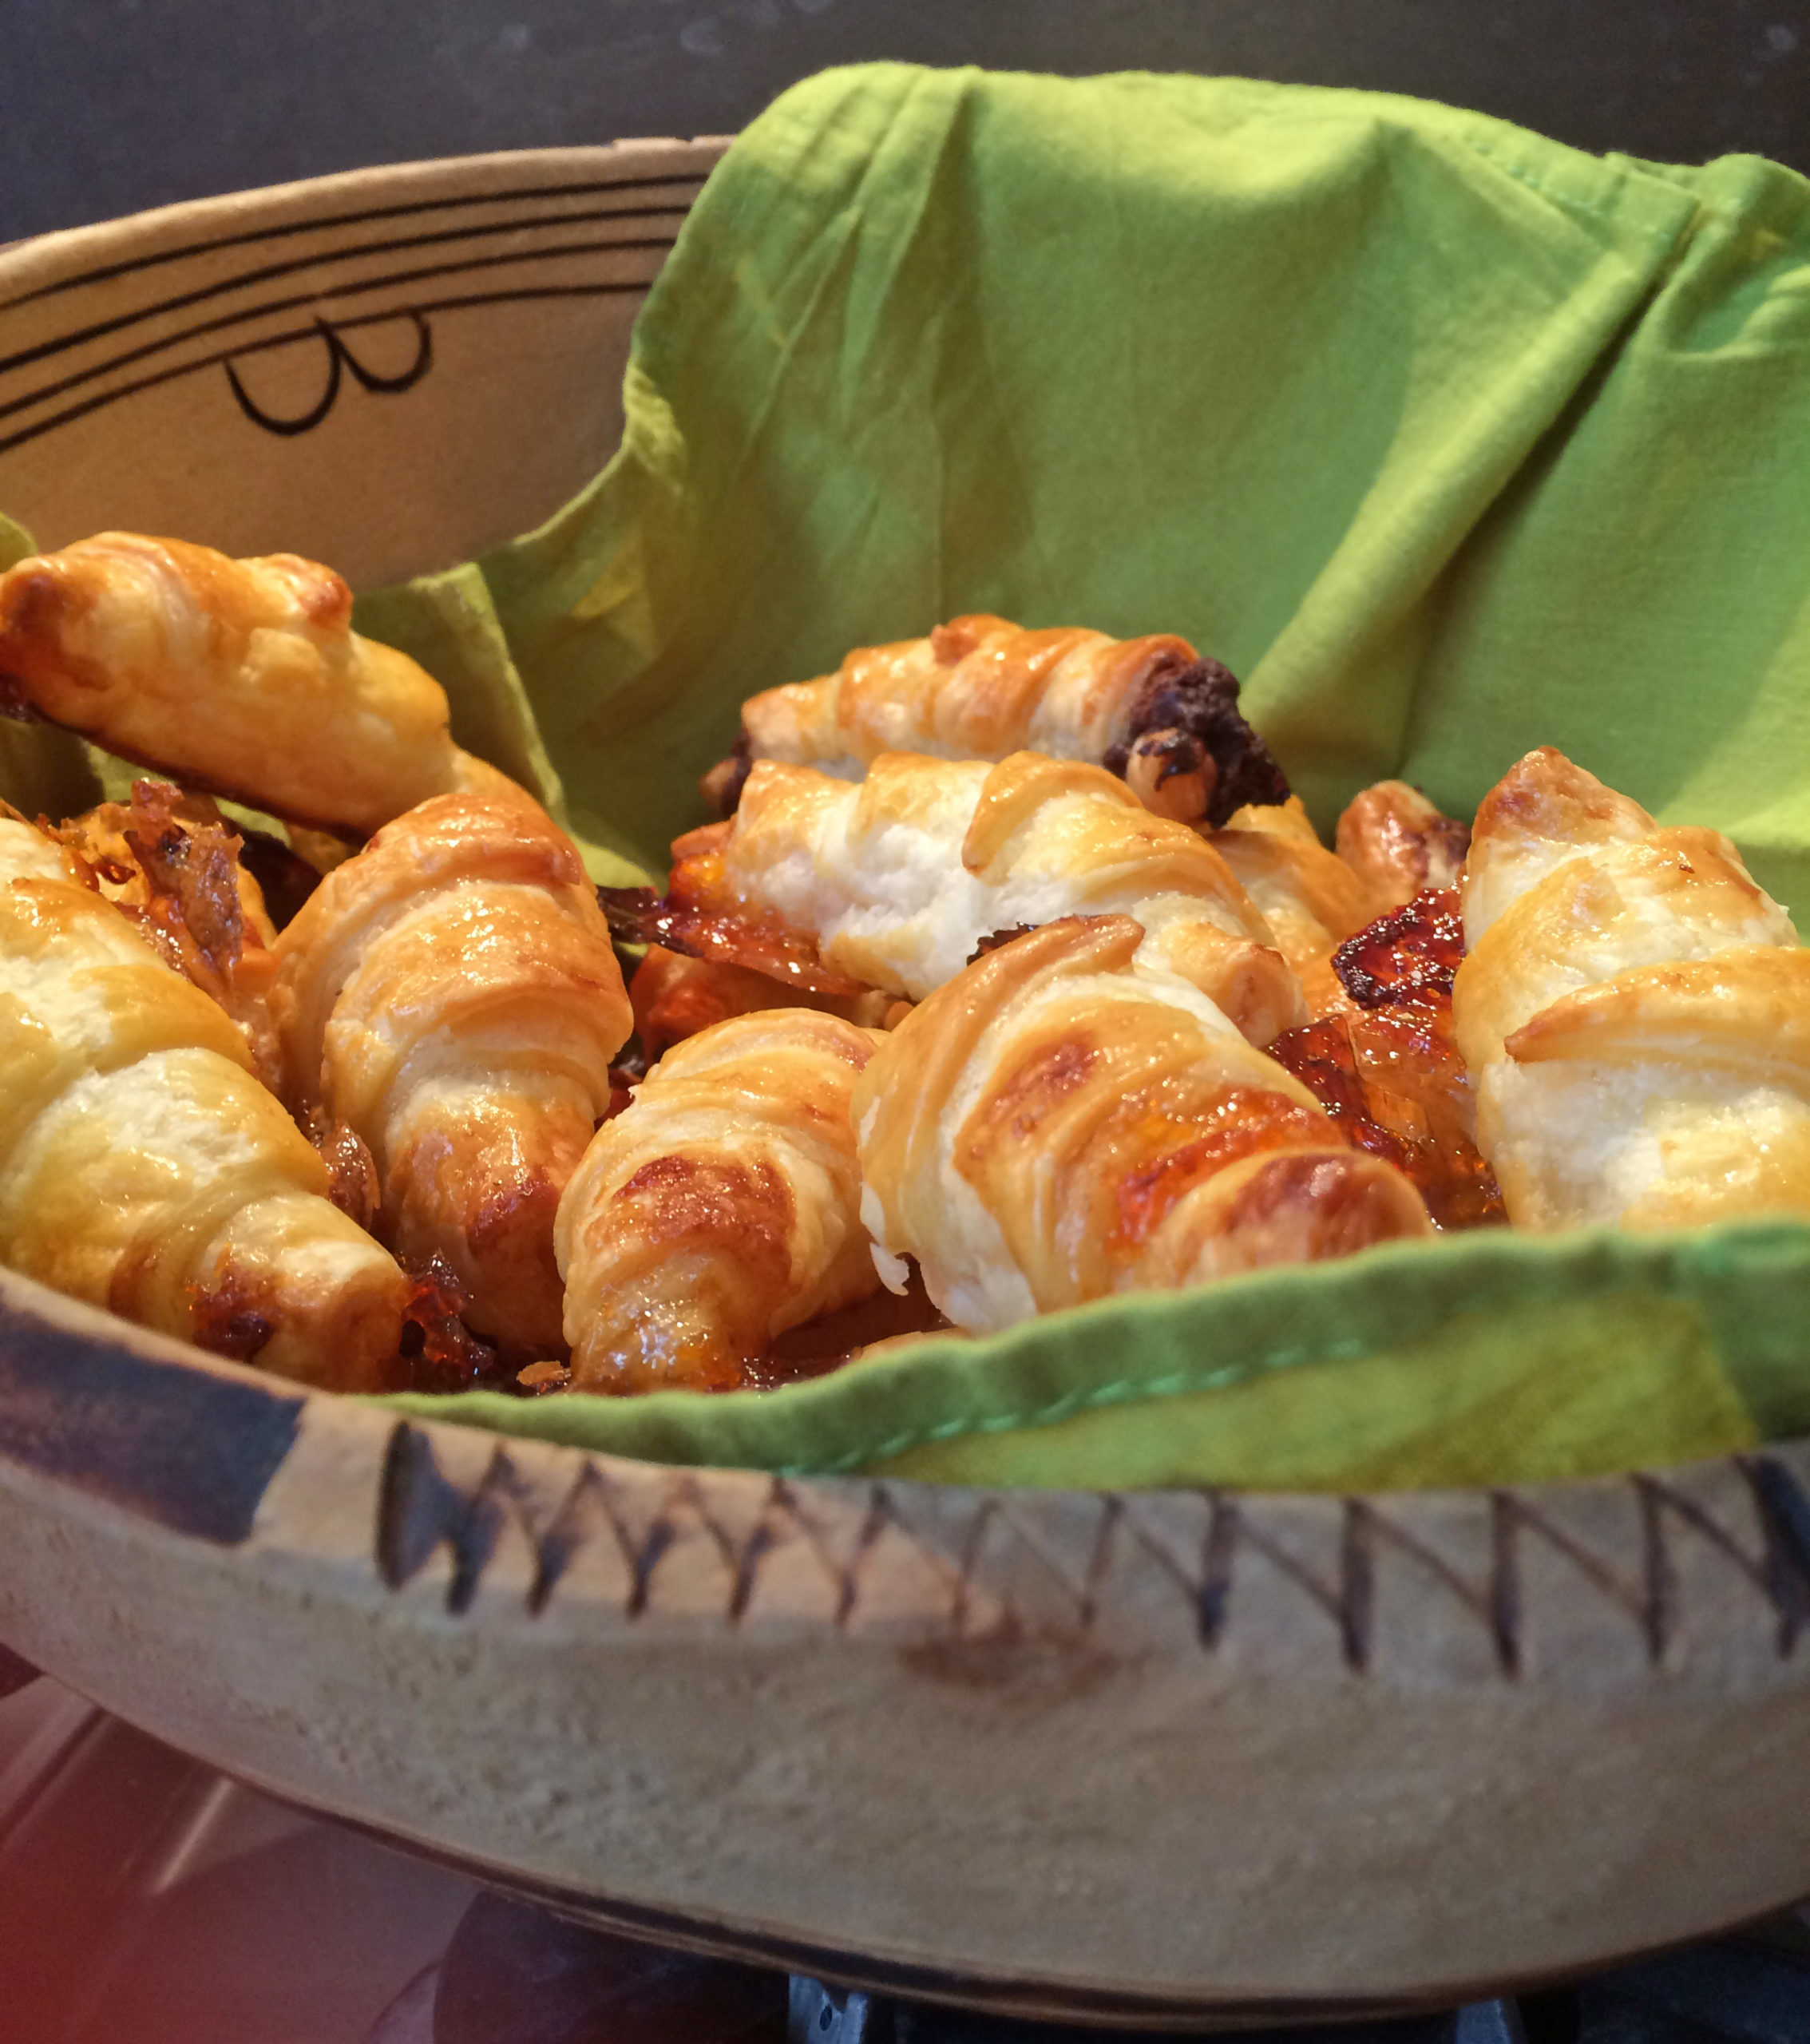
(339, 355)
(527, 293)
(355, 288)
(1785, 1519)
(421, 1509)
(106, 273)
(163, 1440)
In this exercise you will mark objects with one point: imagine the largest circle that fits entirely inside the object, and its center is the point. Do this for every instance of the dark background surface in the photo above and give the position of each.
(107, 106)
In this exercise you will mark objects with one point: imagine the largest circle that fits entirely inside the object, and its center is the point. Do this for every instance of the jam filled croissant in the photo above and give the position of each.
(901, 877)
(1399, 844)
(242, 677)
(1634, 1011)
(143, 1168)
(720, 1208)
(450, 995)
(1150, 710)
(1055, 1126)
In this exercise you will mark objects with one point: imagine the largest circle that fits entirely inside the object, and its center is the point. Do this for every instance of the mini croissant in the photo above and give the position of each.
(1309, 896)
(720, 1208)
(241, 677)
(901, 877)
(1057, 1125)
(1634, 1011)
(450, 995)
(1399, 846)
(143, 1168)
(1150, 710)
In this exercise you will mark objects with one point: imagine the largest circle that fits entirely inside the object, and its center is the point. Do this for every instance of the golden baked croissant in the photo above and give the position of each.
(1399, 844)
(1634, 1011)
(900, 876)
(1150, 710)
(720, 1208)
(143, 1167)
(1055, 1125)
(450, 995)
(1309, 896)
(241, 677)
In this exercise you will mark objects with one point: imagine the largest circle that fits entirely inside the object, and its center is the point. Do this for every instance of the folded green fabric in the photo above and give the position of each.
(1450, 440)
(1489, 1358)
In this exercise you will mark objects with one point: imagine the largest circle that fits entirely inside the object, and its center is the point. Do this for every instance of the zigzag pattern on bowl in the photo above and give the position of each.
(961, 1546)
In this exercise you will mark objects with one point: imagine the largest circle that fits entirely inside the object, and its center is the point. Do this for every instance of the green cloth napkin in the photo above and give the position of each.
(1450, 440)
(1489, 1358)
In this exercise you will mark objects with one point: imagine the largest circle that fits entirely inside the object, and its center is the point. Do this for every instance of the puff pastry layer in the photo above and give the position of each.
(720, 1208)
(450, 995)
(143, 1168)
(242, 677)
(1634, 1010)
(979, 688)
(900, 876)
(1055, 1125)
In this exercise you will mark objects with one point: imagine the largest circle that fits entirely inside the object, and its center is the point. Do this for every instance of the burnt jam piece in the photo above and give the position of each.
(437, 1351)
(1201, 699)
(1410, 956)
(995, 939)
(721, 787)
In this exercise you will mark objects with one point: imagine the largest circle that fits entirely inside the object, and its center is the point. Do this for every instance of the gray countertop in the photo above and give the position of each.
(107, 106)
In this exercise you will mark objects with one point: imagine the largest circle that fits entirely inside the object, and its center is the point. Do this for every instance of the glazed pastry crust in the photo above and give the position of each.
(1057, 1124)
(720, 1208)
(900, 877)
(675, 997)
(143, 1168)
(1635, 1011)
(239, 677)
(450, 995)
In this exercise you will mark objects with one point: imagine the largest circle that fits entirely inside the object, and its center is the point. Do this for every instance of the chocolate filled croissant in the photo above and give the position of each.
(1309, 896)
(720, 1208)
(243, 678)
(143, 1168)
(901, 877)
(1057, 1125)
(1634, 1011)
(1399, 844)
(1150, 710)
(450, 995)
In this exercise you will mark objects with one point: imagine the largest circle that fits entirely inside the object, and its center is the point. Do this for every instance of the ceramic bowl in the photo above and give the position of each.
(1158, 1759)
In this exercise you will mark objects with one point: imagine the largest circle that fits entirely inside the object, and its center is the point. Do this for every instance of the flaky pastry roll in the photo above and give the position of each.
(1309, 897)
(143, 1167)
(451, 995)
(1399, 844)
(1634, 1011)
(1150, 710)
(244, 678)
(901, 877)
(720, 1208)
(1055, 1125)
